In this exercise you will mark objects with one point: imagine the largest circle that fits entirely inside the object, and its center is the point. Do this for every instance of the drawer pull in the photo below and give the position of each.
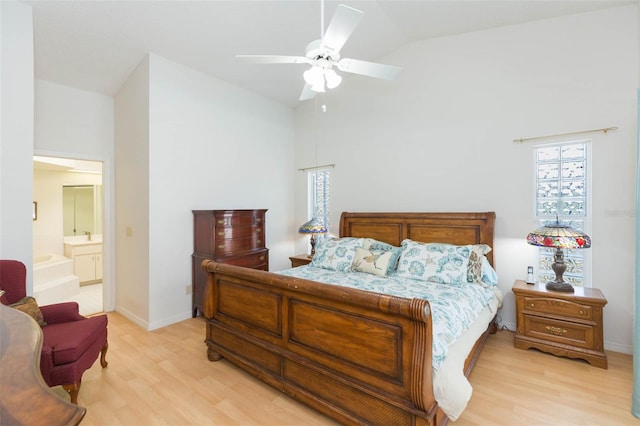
(581, 311)
(261, 257)
(556, 331)
(531, 305)
(221, 221)
(221, 246)
(221, 233)
(258, 230)
(259, 241)
(258, 219)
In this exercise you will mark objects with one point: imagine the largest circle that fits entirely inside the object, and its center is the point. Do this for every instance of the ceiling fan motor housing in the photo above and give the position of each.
(314, 51)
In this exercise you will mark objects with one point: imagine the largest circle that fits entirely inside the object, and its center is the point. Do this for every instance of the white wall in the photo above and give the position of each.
(73, 121)
(16, 135)
(78, 124)
(132, 195)
(440, 138)
(187, 141)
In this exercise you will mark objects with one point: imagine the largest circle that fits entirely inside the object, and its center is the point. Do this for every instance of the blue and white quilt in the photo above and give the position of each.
(454, 307)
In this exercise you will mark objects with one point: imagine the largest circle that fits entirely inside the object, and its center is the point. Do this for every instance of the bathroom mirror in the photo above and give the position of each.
(82, 209)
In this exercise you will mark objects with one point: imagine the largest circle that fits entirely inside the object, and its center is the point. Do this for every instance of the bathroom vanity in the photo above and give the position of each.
(87, 259)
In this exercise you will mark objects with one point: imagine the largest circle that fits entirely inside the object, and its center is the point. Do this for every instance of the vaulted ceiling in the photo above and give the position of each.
(94, 45)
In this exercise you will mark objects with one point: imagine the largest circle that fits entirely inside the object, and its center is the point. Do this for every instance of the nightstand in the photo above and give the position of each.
(564, 324)
(300, 259)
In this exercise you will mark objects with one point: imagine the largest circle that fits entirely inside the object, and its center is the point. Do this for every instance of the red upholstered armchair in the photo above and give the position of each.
(71, 343)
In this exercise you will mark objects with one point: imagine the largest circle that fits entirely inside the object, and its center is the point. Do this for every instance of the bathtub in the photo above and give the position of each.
(53, 279)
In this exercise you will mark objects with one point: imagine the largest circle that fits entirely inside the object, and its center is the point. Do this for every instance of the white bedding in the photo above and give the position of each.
(451, 388)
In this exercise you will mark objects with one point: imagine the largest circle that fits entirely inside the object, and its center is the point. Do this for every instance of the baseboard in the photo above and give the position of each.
(506, 325)
(168, 321)
(149, 326)
(132, 317)
(617, 347)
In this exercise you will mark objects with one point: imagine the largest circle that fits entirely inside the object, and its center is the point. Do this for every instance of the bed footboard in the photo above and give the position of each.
(359, 357)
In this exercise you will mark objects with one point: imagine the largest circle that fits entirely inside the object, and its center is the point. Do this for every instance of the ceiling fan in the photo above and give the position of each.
(324, 55)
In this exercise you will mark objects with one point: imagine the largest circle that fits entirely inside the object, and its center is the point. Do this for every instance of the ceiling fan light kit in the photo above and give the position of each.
(324, 54)
(317, 75)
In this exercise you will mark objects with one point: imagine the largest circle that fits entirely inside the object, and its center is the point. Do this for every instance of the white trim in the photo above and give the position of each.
(108, 222)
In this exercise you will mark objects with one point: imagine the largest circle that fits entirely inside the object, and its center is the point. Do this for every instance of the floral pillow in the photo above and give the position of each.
(476, 256)
(372, 262)
(435, 262)
(336, 254)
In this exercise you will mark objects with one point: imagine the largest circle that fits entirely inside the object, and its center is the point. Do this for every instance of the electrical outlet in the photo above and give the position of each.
(187, 290)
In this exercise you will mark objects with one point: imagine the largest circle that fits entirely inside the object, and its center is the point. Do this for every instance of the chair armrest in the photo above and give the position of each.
(61, 312)
(46, 362)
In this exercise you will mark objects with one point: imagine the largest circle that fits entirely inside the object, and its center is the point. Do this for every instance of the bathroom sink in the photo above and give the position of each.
(83, 243)
(83, 240)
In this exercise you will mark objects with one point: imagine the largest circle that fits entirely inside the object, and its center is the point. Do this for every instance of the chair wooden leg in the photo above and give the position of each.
(73, 389)
(103, 355)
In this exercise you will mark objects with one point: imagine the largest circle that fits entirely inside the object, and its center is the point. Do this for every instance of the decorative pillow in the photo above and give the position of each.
(371, 262)
(474, 270)
(436, 262)
(380, 246)
(336, 254)
(489, 275)
(29, 306)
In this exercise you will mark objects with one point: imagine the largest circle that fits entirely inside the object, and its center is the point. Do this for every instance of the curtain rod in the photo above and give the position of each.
(306, 169)
(605, 130)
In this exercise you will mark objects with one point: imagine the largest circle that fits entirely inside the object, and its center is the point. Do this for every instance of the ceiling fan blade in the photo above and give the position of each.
(370, 69)
(307, 93)
(342, 24)
(274, 59)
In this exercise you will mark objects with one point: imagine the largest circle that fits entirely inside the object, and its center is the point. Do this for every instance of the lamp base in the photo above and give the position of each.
(560, 286)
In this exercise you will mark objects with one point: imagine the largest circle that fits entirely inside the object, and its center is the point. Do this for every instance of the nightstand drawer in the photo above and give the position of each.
(558, 307)
(573, 334)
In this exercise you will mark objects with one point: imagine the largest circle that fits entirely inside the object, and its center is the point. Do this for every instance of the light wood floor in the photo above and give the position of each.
(164, 378)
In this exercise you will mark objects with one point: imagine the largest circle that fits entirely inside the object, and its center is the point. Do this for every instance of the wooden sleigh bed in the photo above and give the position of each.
(357, 356)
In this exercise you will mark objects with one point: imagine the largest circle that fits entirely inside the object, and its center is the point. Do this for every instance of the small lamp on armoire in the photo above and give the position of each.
(313, 227)
(559, 236)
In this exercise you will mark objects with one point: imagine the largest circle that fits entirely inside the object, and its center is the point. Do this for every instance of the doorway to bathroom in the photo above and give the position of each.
(68, 232)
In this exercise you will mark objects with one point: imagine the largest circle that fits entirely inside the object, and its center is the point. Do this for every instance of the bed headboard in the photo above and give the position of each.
(392, 228)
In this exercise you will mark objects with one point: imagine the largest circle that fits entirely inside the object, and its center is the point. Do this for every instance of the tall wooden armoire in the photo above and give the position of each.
(236, 237)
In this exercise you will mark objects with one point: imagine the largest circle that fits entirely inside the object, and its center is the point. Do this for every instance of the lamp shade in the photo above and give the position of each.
(558, 235)
(314, 226)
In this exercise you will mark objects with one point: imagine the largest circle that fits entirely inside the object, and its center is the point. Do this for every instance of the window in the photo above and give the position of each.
(562, 192)
(319, 195)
